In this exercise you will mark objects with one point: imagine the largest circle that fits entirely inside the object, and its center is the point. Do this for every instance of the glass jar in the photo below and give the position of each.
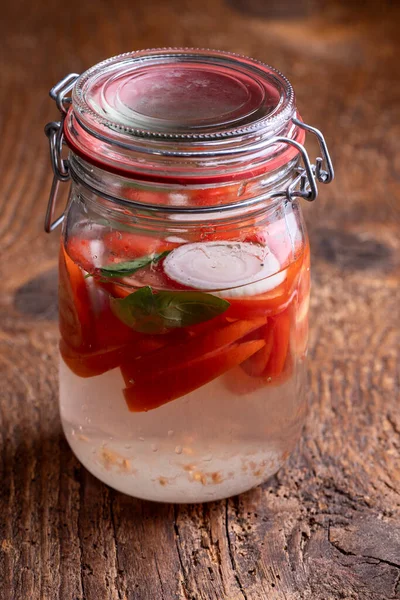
(184, 271)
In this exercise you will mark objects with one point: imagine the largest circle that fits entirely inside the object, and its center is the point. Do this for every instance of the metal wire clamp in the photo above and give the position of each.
(303, 186)
(54, 132)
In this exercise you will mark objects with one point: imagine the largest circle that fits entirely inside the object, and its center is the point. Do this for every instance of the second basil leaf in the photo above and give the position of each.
(124, 269)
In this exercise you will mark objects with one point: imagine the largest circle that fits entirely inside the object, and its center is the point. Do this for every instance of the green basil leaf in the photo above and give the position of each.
(182, 309)
(138, 311)
(124, 269)
(159, 312)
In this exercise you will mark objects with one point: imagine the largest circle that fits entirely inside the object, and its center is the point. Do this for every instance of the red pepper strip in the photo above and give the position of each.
(183, 353)
(280, 327)
(76, 325)
(256, 365)
(247, 378)
(162, 387)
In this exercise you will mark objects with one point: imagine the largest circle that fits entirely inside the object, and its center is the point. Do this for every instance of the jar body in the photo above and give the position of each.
(188, 412)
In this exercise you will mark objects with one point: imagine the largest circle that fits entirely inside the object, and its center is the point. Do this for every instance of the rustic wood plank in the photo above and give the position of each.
(328, 525)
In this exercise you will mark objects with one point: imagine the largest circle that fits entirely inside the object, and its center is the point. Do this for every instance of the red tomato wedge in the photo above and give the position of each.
(132, 245)
(158, 389)
(183, 353)
(76, 324)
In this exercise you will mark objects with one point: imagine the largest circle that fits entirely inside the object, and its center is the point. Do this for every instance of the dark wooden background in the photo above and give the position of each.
(328, 525)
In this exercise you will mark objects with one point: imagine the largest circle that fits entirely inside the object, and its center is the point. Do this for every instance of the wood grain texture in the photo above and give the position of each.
(328, 525)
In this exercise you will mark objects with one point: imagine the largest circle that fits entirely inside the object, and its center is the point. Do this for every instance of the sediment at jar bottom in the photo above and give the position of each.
(207, 445)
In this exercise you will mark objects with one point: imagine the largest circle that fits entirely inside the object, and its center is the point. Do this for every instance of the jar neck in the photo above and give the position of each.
(126, 195)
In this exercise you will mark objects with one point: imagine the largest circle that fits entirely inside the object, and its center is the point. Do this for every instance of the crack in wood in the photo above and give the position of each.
(213, 546)
(396, 586)
(393, 423)
(390, 486)
(121, 594)
(338, 547)
(81, 573)
(178, 548)
(230, 552)
(159, 577)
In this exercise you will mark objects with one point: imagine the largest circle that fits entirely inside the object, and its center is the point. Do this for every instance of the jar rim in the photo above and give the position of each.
(233, 137)
(106, 88)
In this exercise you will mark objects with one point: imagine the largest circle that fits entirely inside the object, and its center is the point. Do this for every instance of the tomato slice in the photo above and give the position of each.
(132, 245)
(192, 349)
(160, 388)
(76, 324)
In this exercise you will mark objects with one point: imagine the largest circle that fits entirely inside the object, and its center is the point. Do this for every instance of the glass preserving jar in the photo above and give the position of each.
(184, 271)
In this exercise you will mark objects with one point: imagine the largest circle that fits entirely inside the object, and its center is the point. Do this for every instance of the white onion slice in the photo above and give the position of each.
(236, 268)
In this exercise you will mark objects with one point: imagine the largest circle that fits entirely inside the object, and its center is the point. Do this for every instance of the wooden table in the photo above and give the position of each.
(328, 525)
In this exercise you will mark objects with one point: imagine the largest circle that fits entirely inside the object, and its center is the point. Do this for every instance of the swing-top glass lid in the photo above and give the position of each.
(181, 93)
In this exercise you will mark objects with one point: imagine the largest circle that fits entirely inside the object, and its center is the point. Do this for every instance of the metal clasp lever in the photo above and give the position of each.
(322, 171)
(54, 132)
